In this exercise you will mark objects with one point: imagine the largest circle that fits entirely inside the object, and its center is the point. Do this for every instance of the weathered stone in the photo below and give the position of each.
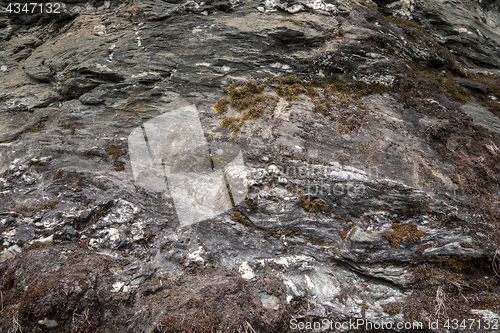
(369, 159)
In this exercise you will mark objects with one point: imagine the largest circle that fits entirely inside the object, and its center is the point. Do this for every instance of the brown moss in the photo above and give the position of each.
(114, 150)
(422, 248)
(247, 99)
(232, 123)
(311, 205)
(119, 167)
(222, 105)
(32, 129)
(242, 96)
(402, 231)
(239, 217)
(287, 232)
(291, 87)
(250, 202)
(57, 175)
(392, 308)
(272, 182)
(32, 209)
(73, 178)
(468, 284)
(346, 233)
(71, 127)
(458, 265)
(492, 83)
(400, 21)
(343, 159)
(338, 100)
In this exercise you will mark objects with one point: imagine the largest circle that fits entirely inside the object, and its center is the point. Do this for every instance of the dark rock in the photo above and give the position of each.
(351, 156)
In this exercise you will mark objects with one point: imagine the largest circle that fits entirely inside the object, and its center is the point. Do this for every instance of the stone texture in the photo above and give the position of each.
(368, 200)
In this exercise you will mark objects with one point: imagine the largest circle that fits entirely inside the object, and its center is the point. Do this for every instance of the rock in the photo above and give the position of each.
(456, 25)
(167, 166)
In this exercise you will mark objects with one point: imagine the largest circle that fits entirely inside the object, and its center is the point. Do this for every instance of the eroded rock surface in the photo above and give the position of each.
(371, 145)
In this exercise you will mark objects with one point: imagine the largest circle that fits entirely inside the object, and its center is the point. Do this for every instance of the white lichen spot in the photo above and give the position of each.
(10, 252)
(100, 29)
(195, 257)
(273, 169)
(294, 9)
(49, 323)
(145, 74)
(120, 287)
(246, 271)
(103, 68)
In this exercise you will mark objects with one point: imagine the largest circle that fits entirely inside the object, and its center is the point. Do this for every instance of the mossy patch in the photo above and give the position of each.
(32, 209)
(347, 231)
(31, 129)
(402, 231)
(287, 232)
(114, 150)
(424, 247)
(311, 205)
(72, 178)
(222, 105)
(248, 100)
(71, 127)
(290, 87)
(332, 97)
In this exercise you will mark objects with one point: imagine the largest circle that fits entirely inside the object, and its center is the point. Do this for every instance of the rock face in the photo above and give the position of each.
(369, 135)
(469, 29)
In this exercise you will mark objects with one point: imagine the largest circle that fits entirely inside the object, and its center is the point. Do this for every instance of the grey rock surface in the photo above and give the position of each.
(371, 152)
